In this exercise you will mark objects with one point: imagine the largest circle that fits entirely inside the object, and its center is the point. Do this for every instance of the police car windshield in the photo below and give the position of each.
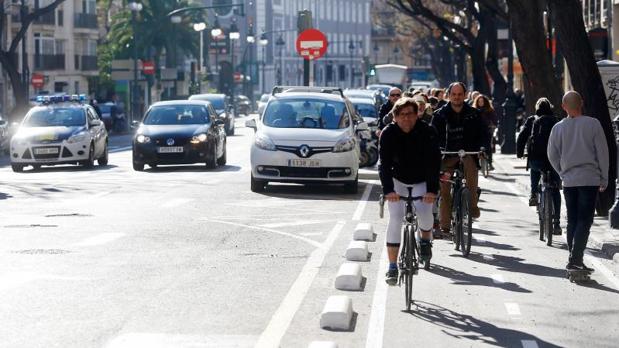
(177, 114)
(306, 113)
(56, 117)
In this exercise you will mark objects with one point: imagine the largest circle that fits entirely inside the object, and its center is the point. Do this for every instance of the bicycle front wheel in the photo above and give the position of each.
(409, 257)
(466, 222)
(548, 217)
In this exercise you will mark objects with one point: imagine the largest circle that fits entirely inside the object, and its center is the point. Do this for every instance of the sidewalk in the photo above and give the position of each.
(512, 169)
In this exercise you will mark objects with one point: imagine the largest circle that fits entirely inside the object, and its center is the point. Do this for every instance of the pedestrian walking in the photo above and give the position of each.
(489, 116)
(578, 151)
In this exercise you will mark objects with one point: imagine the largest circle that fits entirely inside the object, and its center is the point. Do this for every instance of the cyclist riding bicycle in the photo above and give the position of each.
(459, 127)
(534, 136)
(409, 157)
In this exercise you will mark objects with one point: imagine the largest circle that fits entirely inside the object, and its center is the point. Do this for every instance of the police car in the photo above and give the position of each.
(59, 130)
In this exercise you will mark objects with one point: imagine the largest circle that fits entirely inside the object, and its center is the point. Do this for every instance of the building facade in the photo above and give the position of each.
(60, 46)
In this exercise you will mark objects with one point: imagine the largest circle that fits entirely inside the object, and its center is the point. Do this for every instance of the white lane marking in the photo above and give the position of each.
(498, 279)
(376, 326)
(311, 234)
(529, 344)
(267, 217)
(363, 202)
(292, 223)
(272, 335)
(100, 239)
(13, 280)
(161, 340)
(119, 149)
(176, 202)
(512, 308)
(307, 240)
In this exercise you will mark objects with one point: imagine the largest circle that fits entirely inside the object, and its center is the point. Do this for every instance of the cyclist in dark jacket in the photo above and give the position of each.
(409, 157)
(534, 136)
(459, 127)
(394, 95)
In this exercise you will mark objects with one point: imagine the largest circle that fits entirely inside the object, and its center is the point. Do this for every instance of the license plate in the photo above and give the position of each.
(307, 163)
(170, 149)
(46, 151)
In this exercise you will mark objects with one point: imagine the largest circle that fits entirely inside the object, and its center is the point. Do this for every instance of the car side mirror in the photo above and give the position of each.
(251, 123)
(219, 122)
(94, 123)
(135, 124)
(362, 126)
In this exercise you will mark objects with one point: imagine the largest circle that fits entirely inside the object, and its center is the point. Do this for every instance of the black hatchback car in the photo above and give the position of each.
(179, 132)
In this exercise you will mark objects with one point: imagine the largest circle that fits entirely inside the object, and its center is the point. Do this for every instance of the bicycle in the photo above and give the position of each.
(408, 261)
(461, 219)
(545, 207)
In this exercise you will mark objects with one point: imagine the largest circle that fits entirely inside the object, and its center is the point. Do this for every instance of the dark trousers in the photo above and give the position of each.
(536, 176)
(580, 204)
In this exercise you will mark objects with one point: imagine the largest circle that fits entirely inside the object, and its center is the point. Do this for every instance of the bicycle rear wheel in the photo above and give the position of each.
(548, 210)
(409, 262)
(466, 222)
(456, 221)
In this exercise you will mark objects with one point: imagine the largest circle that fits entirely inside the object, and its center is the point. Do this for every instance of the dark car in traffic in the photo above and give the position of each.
(243, 105)
(221, 106)
(179, 132)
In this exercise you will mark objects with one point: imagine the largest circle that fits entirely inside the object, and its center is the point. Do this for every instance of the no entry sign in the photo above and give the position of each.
(148, 67)
(311, 44)
(37, 81)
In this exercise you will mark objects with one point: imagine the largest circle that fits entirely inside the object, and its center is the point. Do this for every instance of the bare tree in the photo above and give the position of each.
(8, 56)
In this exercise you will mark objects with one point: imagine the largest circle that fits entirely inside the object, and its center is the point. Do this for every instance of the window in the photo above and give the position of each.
(342, 73)
(89, 6)
(306, 113)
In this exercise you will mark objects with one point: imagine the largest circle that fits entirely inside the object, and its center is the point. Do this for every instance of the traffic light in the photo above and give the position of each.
(372, 72)
(304, 20)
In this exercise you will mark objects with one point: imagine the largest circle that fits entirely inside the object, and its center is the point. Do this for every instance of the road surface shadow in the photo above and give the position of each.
(68, 168)
(462, 278)
(478, 332)
(332, 192)
(190, 168)
(515, 264)
(502, 193)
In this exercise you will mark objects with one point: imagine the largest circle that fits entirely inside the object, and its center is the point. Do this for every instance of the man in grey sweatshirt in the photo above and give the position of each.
(578, 151)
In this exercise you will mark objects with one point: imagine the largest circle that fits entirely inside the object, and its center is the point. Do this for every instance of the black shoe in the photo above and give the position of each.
(392, 277)
(557, 231)
(533, 201)
(571, 267)
(584, 267)
(425, 251)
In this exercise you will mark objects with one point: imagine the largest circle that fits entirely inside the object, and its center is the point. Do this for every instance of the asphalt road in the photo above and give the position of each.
(189, 257)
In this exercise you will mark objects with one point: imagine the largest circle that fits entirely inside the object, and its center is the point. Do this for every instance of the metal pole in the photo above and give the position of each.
(264, 57)
(509, 141)
(24, 56)
(233, 72)
(609, 27)
(200, 66)
(134, 93)
(352, 69)
(281, 66)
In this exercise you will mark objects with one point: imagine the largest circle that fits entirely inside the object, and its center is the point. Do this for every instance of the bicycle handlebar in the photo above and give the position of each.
(381, 203)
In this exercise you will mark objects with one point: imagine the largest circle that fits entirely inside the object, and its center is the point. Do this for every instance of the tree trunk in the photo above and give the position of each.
(478, 64)
(442, 62)
(526, 23)
(492, 61)
(9, 64)
(574, 43)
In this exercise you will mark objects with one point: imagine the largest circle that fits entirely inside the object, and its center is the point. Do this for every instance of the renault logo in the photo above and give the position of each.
(304, 150)
(170, 142)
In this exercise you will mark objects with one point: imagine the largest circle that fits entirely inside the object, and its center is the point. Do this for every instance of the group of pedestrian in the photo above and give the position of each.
(414, 127)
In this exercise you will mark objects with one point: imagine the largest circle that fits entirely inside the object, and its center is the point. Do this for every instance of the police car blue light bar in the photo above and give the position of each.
(47, 99)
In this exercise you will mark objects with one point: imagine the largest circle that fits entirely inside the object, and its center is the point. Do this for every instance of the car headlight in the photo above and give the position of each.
(77, 138)
(200, 138)
(344, 145)
(142, 139)
(264, 142)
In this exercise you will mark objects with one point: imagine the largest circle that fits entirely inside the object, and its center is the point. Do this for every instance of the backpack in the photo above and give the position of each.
(538, 140)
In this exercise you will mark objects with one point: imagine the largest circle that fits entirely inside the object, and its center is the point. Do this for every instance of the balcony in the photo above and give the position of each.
(88, 63)
(49, 62)
(85, 20)
(47, 19)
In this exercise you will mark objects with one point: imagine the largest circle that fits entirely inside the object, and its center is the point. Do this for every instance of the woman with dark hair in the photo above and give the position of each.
(488, 115)
(534, 136)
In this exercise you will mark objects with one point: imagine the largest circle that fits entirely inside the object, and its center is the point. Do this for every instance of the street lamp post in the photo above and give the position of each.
(216, 33)
(280, 44)
(234, 36)
(200, 27)
(351, 47)
(263, 42)
(135, 8)
(251, 39)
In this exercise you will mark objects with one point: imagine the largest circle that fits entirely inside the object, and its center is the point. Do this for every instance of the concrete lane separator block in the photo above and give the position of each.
(337, 313)
(364, 231)
(357, 251)
(323, 344)
(349, 277)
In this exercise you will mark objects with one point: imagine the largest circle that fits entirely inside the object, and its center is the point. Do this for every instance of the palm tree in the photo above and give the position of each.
(155, 34)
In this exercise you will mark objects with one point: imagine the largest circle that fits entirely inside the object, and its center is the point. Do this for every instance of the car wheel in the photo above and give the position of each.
(211, 162)
(137, 166)
(257, 185)
(90, 162)
(17, 168)
(352, 187)
(221, 161)
(153, 165)
(103, 160)
(36, 166)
